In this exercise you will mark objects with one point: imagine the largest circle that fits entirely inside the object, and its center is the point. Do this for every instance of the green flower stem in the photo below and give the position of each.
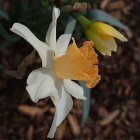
(85, 23)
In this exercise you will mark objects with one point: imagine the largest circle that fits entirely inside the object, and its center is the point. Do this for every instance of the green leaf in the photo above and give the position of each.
(70, 25)
(7, 36)
(86, 103)
(18, 10)
(4, 15)
(45, 3)
(40, 26)
(105, 17)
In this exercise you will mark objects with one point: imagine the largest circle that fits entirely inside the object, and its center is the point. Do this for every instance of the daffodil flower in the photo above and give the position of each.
(101, 34)
(60, 64)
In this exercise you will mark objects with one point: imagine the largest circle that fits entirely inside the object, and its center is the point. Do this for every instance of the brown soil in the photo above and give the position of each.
(115, 103)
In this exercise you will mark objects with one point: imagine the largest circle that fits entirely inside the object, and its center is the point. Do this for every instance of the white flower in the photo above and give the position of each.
(43, 82)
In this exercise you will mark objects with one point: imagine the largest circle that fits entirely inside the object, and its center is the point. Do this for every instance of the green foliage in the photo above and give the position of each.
(70, 25)
(86, 103)
(32, 14)
(105, 17)
(3, 14)
(7, 36)
(18, 9)
(37, 15)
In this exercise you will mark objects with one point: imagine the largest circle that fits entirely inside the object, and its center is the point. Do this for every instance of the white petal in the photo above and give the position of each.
(62, 44)
(74, 89)
(51, 34)
(43, 50)
(42, 83)
(63, 107)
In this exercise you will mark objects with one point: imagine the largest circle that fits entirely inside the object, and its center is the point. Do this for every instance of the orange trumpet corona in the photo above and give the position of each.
(78, 64)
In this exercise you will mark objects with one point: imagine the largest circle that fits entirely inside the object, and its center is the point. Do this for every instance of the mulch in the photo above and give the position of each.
(115, 103)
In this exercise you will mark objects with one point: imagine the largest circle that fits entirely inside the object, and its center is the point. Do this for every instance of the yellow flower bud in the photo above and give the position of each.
(101, 34)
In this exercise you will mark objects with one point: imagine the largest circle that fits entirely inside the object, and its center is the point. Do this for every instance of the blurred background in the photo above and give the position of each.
(114, 106)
